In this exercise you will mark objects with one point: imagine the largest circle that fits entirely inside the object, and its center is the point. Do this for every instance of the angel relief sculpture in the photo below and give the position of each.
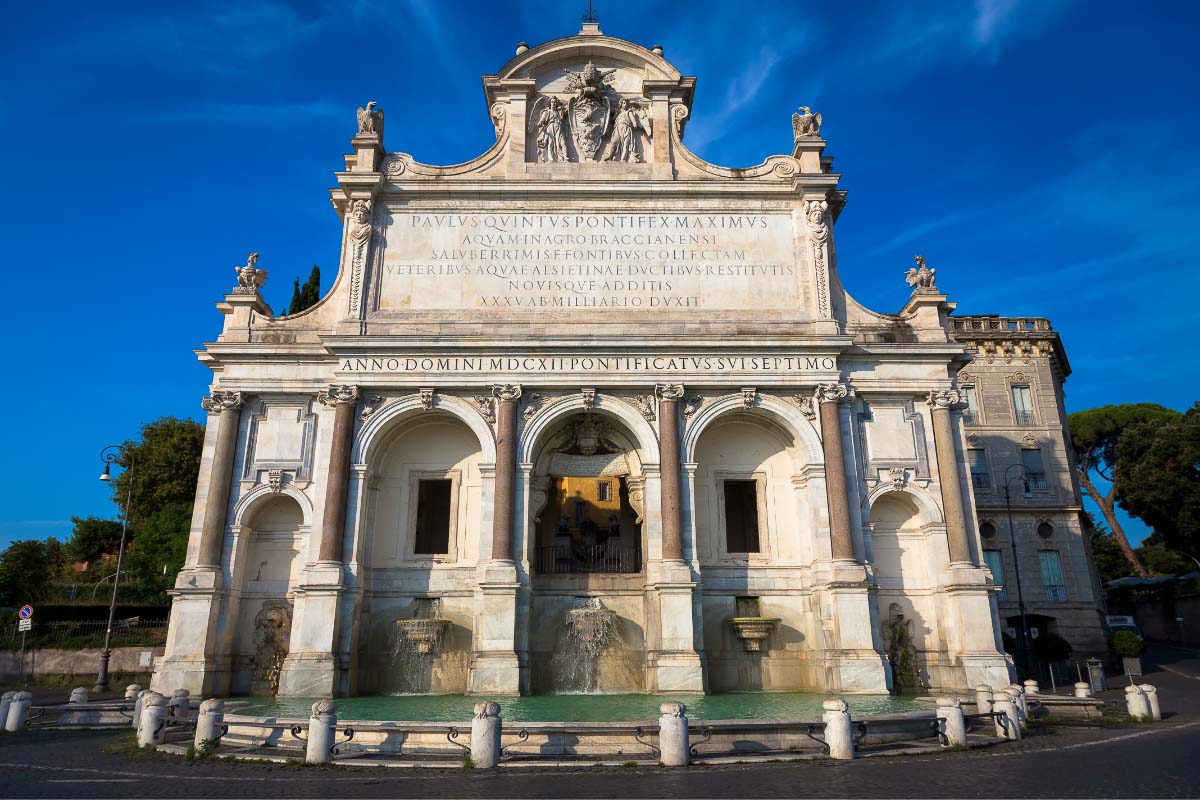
(626, 143)
(551, 122)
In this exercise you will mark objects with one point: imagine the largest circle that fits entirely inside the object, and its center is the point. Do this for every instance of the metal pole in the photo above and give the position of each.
(102, 678)
(1012, 540)
(23, 681)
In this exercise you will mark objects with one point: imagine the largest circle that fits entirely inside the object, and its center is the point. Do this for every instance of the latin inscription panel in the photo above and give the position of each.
(575, 262)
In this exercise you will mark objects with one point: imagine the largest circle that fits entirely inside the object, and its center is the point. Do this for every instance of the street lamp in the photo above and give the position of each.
(1023, 642)
(109, 456)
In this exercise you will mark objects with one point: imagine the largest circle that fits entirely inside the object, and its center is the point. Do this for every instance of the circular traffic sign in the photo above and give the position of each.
(26, 611)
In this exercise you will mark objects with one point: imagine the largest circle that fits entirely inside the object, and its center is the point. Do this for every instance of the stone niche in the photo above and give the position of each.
(391, 663)
(557, 666)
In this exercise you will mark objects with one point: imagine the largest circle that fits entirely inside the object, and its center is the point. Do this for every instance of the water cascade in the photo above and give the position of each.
(416, 644)
(588, 630)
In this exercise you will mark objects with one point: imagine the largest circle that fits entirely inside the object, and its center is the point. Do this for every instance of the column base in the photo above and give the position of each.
(309, 675)
(200, 675)
(495, 665)
(994, 669)
(494, 674)
(674, 672)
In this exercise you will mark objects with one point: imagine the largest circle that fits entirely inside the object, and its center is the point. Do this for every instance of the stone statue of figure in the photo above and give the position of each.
(250, 277)
(552, 134)
(807, 124)
(626, 145)
(370, 120)
(921, 277)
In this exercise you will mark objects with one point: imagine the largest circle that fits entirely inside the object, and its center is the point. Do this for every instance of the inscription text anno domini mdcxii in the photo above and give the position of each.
(579, 261)
(713, 365)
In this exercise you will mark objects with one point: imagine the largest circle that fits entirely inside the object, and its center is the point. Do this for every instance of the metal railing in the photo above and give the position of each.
(1056, 594)
(1023, 417)
(981, 480)
(564, 559)
(81, 634)
(1037, 480)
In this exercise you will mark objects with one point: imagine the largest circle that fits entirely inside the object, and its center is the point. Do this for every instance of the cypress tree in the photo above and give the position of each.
(311, 292)
(295, 305)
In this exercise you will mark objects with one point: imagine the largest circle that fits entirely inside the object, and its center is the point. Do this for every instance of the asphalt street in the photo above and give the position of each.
(1148, 760)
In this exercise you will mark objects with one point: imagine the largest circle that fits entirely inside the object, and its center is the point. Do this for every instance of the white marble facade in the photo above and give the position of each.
(586, 301)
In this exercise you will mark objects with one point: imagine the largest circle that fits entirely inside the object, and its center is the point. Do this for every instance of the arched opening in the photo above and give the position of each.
(270, 565)
(421, 533)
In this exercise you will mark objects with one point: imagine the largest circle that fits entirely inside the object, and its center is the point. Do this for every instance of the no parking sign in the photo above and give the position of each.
(26, 612)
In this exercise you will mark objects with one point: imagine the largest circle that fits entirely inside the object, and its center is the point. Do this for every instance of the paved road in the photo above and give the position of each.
(1160, 760)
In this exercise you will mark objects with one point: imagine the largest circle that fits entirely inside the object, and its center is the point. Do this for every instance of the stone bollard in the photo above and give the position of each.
(136, 722)
(179, 706)
(1135, 703)
(208, 724)
(1031, 687)
(153, 728)
(1151, 701)
(322, 728)
(1010, 725)
(18, 711)
(1083, 689)
(950, 710)
(5, 702)
(838, 733)
(131, 691)
(485, 735)
(1018, 697)
(79, 696)
(983, 699)
(673, 741)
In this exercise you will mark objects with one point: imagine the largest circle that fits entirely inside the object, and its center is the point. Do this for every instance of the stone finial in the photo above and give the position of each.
(920, 277)
(220, 401)
(806, 125)
(79, 695)
(323, 707)
(131, 691)
(212, 705)
(835, 704)
(486, 709)
(153, 698)
(180, 694)
(657, 50)
(249, 277)
(672, 708)
(370, 120)
(522, 47)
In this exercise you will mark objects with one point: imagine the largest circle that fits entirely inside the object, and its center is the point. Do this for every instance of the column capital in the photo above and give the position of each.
(220, 401)
(669, 391)
(835, 393)
(337, 394)
(948, 399)
(507, 392)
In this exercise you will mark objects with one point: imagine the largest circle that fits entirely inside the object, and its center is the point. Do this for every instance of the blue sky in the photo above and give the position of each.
(1042, 154)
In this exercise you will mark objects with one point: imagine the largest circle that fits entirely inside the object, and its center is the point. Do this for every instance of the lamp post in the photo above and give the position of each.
(1023, 641)
(109, 456)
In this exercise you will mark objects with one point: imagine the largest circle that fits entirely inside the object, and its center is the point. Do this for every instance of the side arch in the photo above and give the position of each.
(927, 505)
(783, 413)
(554, 411)
(374, 430)
(249, 503)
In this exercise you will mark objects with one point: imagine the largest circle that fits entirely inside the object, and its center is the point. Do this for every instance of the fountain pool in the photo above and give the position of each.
(583, 708)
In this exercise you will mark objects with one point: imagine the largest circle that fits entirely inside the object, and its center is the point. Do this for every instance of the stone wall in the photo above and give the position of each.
(84, 663)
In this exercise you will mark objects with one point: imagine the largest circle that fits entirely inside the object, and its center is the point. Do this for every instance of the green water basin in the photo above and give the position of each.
(583, 708)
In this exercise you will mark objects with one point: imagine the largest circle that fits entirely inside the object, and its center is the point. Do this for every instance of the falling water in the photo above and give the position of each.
(588, 630)
(416, 644)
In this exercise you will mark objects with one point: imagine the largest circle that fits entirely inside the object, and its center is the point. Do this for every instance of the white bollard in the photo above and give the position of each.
(131, 691)
(18, 711)
(153, 728)
(1010, 725)
(79, 696)
(5, 702)
(485, 735)
(983, 699)
(955, 725)
(179, 706)
(1083, 689)
(673, 740)
(1151, 700)
(1136, 704)
(1031, 687)
(137, 709)
(322, 728)
(1018, 697)
(208, 724)
(838, 733)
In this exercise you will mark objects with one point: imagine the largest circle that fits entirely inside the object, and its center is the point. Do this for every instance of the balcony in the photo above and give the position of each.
(1023, 417)
(1037, 480)
(594, 559)
(981, 480)
(1056, 594)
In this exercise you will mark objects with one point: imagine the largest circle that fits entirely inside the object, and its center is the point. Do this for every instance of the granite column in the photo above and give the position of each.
(940, 404)
(830, 397)
(337, 482)
(505, 493)
(668, 464)
(228, 408)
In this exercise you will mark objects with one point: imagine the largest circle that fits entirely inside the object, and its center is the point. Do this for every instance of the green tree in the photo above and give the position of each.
(1096, 438)
(308, 295)
(27, 568)
(93, 537)
(157, 556)
(1159, 462)
(1106, 553)
(294, 307)
(167, 463)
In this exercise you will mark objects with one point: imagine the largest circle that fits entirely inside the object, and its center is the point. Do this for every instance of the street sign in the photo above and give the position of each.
(25, 625)
(26, 611)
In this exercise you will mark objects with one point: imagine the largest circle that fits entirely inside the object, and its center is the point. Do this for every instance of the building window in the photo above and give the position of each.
(977, 460)
(1035, 471)
(1052, 576)
(971, 414)
(987, 530)
(1045, 529)
(1022, 404)
(433, 517)
(604, 491)
(741, 516)
(995, 563)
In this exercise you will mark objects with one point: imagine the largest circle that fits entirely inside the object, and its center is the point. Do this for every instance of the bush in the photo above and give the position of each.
(1126, 644)
(1050, 647)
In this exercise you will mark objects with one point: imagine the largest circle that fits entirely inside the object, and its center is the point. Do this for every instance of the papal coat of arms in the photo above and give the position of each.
(591, 109)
